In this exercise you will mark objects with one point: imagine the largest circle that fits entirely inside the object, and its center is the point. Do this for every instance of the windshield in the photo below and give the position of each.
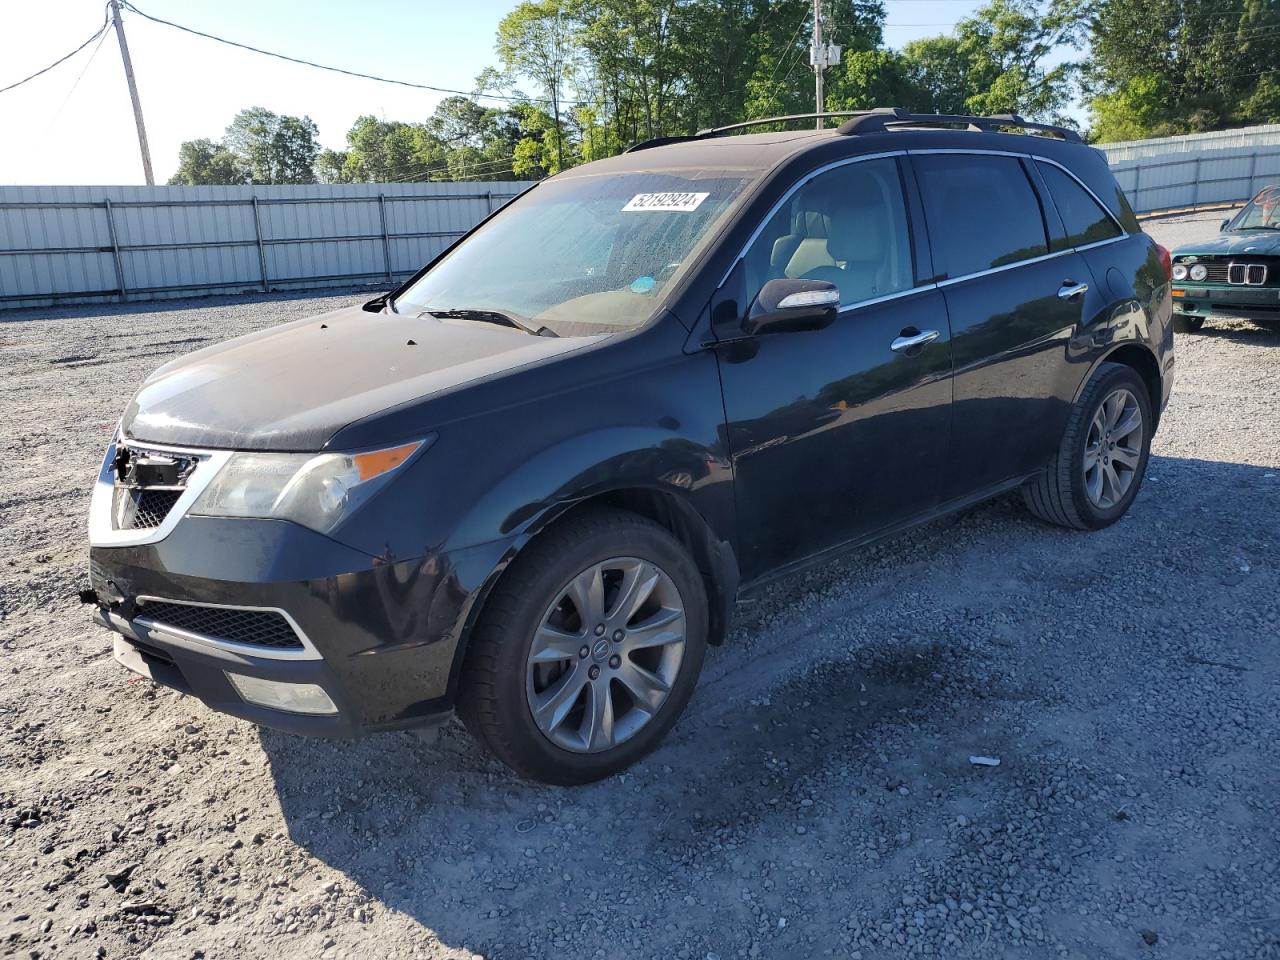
(1262, 212)
(584, 255)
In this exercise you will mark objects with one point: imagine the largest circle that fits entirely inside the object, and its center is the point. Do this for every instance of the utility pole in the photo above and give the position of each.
(133, 93)
(822, 54)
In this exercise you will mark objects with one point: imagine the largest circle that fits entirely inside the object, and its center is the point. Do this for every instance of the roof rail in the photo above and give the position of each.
(658, 142)
(877, 120)
(884, 119)
(719, 131)
(716, 131)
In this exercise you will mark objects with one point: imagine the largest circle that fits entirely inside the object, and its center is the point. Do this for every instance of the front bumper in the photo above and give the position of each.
(1235, 300)
(382, 636)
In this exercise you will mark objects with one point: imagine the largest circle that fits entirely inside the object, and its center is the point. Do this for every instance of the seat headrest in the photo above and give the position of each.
(858, 229)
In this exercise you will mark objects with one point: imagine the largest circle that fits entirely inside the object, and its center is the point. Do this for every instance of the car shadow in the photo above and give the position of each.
(449, 837)
(832, 722)
(1251, 332)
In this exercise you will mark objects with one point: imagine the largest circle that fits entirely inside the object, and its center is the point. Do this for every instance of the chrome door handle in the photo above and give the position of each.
(1070, 289)
(918, 340)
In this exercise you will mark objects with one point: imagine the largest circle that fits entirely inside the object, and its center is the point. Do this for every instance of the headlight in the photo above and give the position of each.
(315, 490)
(1179, 271)
(1198, 272)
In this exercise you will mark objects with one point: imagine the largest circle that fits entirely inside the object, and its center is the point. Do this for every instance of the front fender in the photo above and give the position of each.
(588, 465)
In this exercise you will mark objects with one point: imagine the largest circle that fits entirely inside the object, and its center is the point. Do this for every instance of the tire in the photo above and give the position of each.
(1186, 323)
(1067, 494)
(533, 616)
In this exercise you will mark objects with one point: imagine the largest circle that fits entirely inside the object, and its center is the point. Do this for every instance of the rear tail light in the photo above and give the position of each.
(1166, 261)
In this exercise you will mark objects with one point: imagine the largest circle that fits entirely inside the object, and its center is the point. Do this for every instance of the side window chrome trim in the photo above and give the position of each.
(1103, 243)
(896, 295)
(791, 191)
(1006, 266)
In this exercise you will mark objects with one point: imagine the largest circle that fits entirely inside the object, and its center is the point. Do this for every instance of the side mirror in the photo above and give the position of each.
(1223, 225)
(786, 305)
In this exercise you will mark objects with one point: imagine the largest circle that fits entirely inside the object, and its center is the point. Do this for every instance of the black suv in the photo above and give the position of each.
(533, 480)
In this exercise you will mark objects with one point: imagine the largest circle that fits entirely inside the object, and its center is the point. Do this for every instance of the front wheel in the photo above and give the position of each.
(587, 650)
(1100, 463)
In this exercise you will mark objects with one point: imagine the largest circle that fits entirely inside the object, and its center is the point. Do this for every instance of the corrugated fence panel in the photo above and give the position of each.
(1224, 166)
(84, 244)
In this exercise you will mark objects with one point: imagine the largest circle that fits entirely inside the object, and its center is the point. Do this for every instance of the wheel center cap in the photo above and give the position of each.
(600, 651)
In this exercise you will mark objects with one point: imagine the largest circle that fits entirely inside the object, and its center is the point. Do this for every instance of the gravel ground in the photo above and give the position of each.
(817, 799)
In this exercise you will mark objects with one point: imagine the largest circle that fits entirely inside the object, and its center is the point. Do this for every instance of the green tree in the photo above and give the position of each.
(937, 74)
(538, 40)
(273, 148)
(1160, 67)
(1006, 46)
(331, 167)
(203, 162)
(389, 151)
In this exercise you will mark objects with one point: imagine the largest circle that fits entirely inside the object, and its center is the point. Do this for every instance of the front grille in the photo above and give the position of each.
(1235, 273)
(148, 484)
(255, 628)
(1217, 272)
(152, 506)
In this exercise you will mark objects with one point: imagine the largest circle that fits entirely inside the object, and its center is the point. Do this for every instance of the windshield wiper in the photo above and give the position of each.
(492, 316)
(1260, 226)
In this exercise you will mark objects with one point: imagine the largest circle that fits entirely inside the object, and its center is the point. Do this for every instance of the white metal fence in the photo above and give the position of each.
(1204, 168)
(85, 244)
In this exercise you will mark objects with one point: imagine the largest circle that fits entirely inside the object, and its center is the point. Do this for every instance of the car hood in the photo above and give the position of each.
(294, 386)
(1260, 242)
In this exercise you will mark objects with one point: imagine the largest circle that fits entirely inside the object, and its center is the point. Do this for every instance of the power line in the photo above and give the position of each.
(98, 33)
(465, 168)
(321, 66)
(790, 43)
(80, 76)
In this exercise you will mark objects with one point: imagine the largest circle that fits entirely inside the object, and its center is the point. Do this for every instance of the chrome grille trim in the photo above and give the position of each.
(150, 631)
(103, 529)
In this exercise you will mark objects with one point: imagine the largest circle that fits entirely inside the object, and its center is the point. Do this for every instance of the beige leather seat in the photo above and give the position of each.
(804, 248)
(857, 240)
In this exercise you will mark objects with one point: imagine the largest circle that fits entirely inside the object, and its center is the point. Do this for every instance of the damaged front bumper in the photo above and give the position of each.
(229, 610)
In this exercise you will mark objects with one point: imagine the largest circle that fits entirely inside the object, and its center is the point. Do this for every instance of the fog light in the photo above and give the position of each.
(290, 697)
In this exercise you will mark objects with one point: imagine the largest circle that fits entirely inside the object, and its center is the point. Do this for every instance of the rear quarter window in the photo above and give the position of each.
(1083, 217)
(982, 212)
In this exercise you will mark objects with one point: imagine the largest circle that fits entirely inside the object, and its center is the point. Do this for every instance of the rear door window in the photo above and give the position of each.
(982, 212)
(1084, 218)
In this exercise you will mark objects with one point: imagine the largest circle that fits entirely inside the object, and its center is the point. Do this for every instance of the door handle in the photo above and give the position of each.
(1070, 289)
(915, 340)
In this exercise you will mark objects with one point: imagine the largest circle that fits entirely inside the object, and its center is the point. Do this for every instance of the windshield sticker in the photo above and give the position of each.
(665, 201)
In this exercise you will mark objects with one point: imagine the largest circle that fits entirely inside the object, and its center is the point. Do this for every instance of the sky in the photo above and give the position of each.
(75, 124)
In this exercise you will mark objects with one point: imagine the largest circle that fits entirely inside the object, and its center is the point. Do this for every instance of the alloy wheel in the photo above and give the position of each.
(1113, 449)
(606, 655)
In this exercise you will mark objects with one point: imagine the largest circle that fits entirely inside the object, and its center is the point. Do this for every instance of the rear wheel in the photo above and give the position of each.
(1100, 463)
(588, 649)
(1186, 323)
